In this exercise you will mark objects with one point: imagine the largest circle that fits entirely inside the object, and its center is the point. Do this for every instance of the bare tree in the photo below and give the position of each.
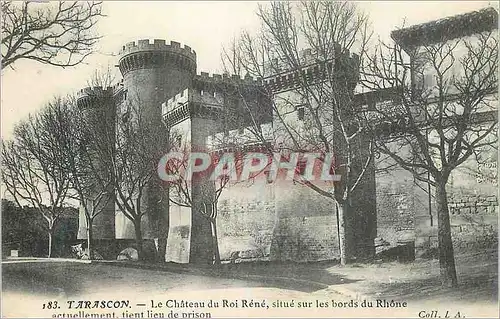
(103, 77)
(34, 165)
(56, 33)
(89, 145)
(134, 159)
(122, 146)
(84, 131)
(442, 112)
(302, 53)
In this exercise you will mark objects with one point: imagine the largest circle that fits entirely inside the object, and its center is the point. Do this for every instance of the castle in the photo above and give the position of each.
(272, 220)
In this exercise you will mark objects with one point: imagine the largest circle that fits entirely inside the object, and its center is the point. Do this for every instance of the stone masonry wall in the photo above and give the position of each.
(403, 214)
(277, 222)
(399, 201)
(246, 219)
(306, 227)
(396, 218)
(474, 221)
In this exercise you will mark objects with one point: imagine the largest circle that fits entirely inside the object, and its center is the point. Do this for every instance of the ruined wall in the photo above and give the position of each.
(473, 202)
(403, 207)
(474, 221)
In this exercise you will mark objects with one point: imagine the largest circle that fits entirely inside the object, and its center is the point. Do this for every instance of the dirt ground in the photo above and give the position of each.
(477, 274)
(416, 284)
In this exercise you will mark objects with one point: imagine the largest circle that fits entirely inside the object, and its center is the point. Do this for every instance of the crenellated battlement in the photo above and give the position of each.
(88, 97)
(313, 68)
(233, 79)
(212, 96)
(96, 91)
(194, 95)
(158, 45)
(176, 101)
(117, 87)
(146, 55)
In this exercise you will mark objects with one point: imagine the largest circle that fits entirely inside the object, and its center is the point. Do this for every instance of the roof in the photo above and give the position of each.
(447, 29)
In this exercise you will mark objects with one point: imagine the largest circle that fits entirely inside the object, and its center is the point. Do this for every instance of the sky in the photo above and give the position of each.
(205, 26)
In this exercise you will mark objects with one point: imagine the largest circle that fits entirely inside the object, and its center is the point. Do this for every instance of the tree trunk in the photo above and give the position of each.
(215, 242)
(341, 229)
(201, 242)
(162, 247)
(163, 227)
(138, 240)
(89, 237)
(447, 270)
(49, 255)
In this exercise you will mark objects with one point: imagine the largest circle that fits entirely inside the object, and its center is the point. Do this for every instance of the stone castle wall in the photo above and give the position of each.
(403, 210)
(474, 221)
(277, 222)
(306, 225)
(292, 222)
(398, 198)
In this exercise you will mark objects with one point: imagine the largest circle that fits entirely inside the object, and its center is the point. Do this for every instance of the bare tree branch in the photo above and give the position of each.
(58, 33)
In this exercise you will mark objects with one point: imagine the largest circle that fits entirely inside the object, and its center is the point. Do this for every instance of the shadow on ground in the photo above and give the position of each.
(472, 289)
(304, 277)
(477, 274)
(41, 279)
(477, 277)
(53, 279)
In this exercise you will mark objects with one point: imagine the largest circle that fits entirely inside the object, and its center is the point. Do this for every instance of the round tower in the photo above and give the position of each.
(152, 73)
(99, 108)
(96, 100)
